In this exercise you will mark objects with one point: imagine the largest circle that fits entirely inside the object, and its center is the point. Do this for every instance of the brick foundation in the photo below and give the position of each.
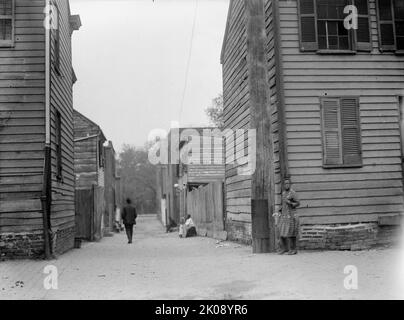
(30, 245)
(21, 245)
(360, 236)
(239, 231)
(63, 240)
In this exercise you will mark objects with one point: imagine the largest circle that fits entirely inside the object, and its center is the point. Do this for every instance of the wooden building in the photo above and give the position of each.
(89, 156)
(326, 100)
(89, 166)
(36, 128)
(194, 173)
(184, 172)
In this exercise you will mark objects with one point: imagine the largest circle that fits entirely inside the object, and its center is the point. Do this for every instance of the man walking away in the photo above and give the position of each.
(129, 219)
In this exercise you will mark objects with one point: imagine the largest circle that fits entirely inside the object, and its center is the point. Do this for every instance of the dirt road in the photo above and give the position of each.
(162, 266)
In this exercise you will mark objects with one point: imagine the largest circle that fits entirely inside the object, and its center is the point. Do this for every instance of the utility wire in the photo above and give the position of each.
(189, 60)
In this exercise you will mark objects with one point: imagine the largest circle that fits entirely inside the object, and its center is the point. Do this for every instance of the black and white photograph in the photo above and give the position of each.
(201, 150)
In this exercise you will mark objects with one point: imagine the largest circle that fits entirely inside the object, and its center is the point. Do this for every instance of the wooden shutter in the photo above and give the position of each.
(308, 25)
(332, 149)
(387, 39)
(363, 37)
(351, 142)
(6, 23)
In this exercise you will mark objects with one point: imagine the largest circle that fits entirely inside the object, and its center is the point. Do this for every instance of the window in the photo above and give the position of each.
(6, 23)
(58, 142)
(101, 153)
(391, 25)
(322, 26)
(330, 25)
(56, 37)
(341, 132)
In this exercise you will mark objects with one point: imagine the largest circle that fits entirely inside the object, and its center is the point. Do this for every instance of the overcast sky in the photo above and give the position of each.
(130, 58)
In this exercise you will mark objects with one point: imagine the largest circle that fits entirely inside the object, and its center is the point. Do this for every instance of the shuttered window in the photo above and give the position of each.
(341, 132)
(6, 23)
(391, 24)
(322, 26)
(308, 25)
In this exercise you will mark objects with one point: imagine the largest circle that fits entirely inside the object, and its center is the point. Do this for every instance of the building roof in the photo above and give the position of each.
(76, 113)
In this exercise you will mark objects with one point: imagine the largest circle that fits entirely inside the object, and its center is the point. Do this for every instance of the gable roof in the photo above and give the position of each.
(226, 33)
(75, 112)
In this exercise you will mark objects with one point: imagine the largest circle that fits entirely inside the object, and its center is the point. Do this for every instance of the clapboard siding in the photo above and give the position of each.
(236, 108)
(22, 121)
(63, 214)
(351, 194)
(86, 154)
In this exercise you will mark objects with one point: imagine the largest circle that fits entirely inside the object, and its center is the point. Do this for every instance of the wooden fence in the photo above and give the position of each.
(205, 205)
(89, 213)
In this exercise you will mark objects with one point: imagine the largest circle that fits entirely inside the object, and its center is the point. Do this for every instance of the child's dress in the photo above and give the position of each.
(181, 231)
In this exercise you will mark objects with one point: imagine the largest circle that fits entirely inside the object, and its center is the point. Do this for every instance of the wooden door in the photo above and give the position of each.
(84, 210)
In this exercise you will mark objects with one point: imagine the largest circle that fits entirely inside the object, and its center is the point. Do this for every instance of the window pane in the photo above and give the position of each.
(342, 31)
(362, 6)
(400, 43)
(344, 43)
(6, 7)
(322, 42)
(400, 28)
(387, 34)
(322, 11)
(5, 29)
(399, 9)
(332, 28)
(385, 10)
(333, 42)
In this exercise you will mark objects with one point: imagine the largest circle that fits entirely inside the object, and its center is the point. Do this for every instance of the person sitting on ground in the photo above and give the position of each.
(181, 231)
(190, 230)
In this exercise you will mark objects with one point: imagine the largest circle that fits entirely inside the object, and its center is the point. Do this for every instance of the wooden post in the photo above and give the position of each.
(263, 235)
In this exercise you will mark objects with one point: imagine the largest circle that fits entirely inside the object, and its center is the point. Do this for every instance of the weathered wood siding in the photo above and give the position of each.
(86, 156)
(210, 166)
(61, 99)
(236, 116)
(22, 121)
(342, 195)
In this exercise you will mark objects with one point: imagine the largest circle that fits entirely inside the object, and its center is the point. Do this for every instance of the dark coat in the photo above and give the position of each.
(129, 215)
